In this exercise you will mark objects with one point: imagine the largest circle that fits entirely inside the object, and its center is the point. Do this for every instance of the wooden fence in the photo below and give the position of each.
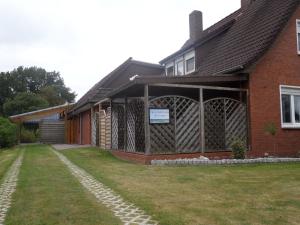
(52, 132)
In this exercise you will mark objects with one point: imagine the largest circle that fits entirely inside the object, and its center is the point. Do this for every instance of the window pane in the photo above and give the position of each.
(297, 108)
(286, 108)
(180, 68)
(170, 70)
(190, 64)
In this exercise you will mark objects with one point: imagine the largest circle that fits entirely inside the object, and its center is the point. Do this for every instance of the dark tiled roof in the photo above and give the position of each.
(243, 37)
(100, 89)
(207, 34)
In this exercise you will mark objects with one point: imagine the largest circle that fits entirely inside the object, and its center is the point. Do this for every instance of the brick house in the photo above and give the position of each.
(229, 81)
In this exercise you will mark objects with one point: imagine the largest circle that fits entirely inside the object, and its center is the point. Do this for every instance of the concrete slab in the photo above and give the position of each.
(67, 146)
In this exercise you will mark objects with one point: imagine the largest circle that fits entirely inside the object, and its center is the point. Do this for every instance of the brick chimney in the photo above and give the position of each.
(246, 3)
(196, 25)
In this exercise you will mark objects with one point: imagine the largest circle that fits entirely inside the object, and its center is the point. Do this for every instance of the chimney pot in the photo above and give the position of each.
(196, 25)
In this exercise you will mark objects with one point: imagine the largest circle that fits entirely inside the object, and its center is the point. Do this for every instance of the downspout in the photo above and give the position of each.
(80, 127)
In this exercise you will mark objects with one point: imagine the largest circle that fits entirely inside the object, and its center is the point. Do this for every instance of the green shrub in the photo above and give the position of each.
(270, 128)
(8, 133)
(238, 149)
(28, 136)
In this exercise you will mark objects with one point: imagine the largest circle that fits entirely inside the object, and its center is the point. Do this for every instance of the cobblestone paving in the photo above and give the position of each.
(128, 213)
(8, 187)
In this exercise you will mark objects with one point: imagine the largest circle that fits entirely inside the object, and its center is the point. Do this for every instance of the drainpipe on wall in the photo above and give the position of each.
(80, 129)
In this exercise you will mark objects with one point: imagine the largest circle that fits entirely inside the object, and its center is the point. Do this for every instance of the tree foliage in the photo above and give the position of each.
(49, 86)
(8, 133)
(24, 102)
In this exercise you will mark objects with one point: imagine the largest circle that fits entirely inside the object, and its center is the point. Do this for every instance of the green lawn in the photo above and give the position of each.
(247, 194)
(7, 157)
(47, 194)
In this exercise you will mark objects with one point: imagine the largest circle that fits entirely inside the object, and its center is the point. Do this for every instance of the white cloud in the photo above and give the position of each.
(85, 40)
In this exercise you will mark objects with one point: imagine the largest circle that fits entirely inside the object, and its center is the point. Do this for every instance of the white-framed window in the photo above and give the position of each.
(189, 59)
(182, 65)
(179, 66)
(298, 35)
(290, 106)
(170, 69)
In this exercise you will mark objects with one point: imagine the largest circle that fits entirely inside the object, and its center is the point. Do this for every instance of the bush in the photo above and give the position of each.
(8, 133)
(28, 136)
(238, 149)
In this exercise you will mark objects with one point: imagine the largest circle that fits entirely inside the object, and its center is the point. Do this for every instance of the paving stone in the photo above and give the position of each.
(8, 186)
(128, 213)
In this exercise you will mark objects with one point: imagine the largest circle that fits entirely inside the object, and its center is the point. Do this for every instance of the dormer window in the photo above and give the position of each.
(179, 67)
(182, 65)
(190, 62)
(170, 69)
(298, 36)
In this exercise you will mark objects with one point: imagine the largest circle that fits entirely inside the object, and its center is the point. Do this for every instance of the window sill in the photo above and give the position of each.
(290, 126)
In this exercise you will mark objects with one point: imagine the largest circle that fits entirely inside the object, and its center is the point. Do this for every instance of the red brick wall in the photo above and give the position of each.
(86, 127)
(280, 65)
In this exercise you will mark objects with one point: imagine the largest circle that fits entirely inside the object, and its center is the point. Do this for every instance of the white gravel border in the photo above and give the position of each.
(125, 211)
(201, 162)
(8, 186)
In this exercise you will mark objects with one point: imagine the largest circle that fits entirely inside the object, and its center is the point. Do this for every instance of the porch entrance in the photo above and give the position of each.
(195, 125)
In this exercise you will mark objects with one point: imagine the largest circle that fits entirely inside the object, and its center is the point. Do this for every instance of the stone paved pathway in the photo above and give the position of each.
(8, 187)
(128, 213)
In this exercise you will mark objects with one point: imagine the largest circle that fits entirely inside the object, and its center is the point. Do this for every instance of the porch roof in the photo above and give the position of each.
(136, 86)
(38, 114)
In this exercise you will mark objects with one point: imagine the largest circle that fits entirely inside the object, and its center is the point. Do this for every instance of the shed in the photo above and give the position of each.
(51, 122)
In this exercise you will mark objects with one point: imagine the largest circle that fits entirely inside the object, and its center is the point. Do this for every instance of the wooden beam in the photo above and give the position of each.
(125, 125)
(198, 87)
(202, 132)
(146, 120)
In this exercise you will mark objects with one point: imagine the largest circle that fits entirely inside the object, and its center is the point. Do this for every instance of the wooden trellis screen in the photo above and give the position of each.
(104, 129)
(118, 126)
(95, 128)
(182, 134)
(224, 120)
(135, 126)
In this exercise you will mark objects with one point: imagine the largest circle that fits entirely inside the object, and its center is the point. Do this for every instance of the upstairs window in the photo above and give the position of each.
(179, 67)
(189, 62)
(290, 107)
(182, 65)
(298, 36)
(170, 69)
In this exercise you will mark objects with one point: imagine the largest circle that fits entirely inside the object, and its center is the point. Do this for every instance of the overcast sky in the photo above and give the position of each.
(86, 39)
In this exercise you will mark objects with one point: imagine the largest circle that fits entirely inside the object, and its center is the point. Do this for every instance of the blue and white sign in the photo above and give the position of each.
(159, 116)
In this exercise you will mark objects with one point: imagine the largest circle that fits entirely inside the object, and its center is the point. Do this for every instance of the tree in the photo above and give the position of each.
(8, 133)
(49, 85)
(24, 102)
(57, 95)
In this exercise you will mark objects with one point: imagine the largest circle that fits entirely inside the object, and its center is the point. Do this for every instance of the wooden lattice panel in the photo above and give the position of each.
(118, 126)
(236, 122)
(182, 134)
(224, 120)
(162, 136)
(187, 115)
(135, 126)
(108, 128)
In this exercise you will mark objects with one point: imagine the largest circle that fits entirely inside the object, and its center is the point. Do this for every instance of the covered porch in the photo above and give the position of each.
(205, 116)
